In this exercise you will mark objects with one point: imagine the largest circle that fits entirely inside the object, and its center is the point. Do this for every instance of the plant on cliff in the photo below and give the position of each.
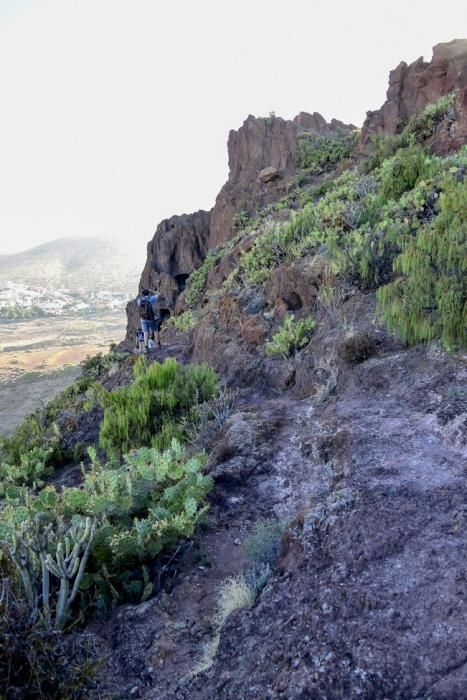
(293, 336)
(421, 126)
(428, 298)
(184, 322)
(34, 448)
(197, 281)
(149, 411)
(317, 152)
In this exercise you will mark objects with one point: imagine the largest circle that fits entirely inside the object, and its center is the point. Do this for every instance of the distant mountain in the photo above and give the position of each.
(76, 264)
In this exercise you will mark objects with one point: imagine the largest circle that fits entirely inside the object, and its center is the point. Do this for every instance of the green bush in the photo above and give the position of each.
(184, 322)
(196, 282)
(240, 220)
(428, 298)
(32, 468)
(141, 506)
(280, 244)
(95, 365)
(31, 452)
(401, 173)
(149, 411)
(317, 152)
(421, 126)
(293, 336)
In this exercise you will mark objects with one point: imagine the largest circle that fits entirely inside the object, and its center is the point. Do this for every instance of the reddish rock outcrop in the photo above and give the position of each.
(261, 144)
(412, 87)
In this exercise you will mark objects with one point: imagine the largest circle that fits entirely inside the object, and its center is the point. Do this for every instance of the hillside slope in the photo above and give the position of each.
(77, 264)
(357, 441)
(326, 470)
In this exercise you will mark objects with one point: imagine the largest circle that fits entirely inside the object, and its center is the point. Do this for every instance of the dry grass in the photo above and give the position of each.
(328, 372)
(234, 594)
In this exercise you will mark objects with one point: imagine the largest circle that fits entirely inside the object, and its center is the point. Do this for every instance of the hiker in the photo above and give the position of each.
(150, 319)
(139, 340)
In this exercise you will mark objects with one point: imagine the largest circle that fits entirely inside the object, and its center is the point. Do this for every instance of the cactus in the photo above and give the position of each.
(30, 548)
(69, 563)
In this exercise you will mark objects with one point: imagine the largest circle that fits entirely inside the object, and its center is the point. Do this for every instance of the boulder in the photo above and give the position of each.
(291, 288)
(268, 174)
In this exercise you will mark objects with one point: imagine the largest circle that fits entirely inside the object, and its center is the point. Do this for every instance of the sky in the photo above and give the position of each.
(114, 114)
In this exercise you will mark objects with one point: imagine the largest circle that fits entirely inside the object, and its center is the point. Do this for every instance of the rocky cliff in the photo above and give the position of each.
(412, 87)
(262, 163)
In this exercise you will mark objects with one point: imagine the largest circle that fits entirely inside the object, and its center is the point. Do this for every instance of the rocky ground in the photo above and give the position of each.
(372, 481)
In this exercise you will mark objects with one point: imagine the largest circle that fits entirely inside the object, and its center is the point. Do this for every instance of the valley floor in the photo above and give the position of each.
(40, 357)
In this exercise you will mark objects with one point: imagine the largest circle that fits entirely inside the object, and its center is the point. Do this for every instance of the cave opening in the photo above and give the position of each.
(164, 314)
(181, 281)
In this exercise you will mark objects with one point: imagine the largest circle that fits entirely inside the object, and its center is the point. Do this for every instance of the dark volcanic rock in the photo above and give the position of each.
(412, 87)
(369, 600)
(178, 247)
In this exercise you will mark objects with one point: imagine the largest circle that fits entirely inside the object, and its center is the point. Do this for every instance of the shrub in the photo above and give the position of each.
(428, 298)
(95, 365)
(317, 152)
(264, 544)
(293, 336)
(401, 172)
(139, 507)
(38, 440)
(184, 322)
(149, 411)
(240, 220)
(421, 126)
(33, 467)
(196, 283)
(39, 663)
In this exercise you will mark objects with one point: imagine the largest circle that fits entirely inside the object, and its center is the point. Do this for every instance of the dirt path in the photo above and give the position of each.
(154, 646)
(374, 453)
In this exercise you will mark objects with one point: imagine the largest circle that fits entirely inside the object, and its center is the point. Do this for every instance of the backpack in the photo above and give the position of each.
(146, 311)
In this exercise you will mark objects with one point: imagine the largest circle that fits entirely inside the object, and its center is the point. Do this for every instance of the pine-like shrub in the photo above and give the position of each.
(401, 172)
(428, 298)
(149, 411)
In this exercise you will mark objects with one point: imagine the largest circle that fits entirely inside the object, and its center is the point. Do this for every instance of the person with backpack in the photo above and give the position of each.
(150, 319)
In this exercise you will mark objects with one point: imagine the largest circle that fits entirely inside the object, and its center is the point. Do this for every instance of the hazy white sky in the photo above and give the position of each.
(115, 113)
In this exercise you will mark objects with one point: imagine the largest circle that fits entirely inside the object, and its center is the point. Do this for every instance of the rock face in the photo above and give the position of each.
(178, 247)
(412, 87)
(261, 162)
